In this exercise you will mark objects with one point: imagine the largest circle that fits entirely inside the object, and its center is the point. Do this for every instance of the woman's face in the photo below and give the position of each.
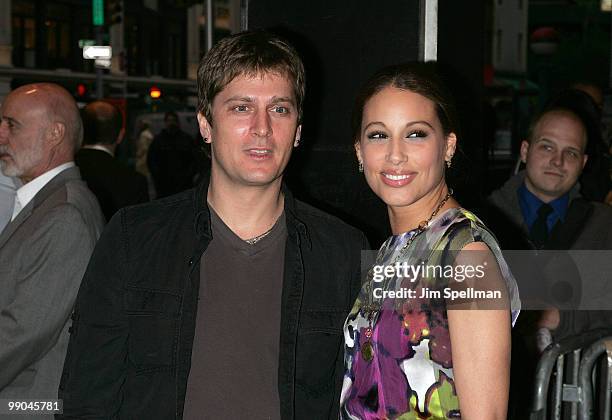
(402, 146)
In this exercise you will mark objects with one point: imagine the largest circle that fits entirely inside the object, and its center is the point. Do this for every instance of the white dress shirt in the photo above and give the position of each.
(7, 199)
(26, 193)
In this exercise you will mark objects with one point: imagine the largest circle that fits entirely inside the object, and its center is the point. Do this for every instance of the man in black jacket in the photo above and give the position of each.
(114, 184)
(226, 301)
(541, 208)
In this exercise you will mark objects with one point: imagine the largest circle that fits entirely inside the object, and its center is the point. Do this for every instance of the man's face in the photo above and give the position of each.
(23, 125)
(253, 130)
(555, 157)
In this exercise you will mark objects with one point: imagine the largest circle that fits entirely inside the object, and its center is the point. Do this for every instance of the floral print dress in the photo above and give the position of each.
(410, 374)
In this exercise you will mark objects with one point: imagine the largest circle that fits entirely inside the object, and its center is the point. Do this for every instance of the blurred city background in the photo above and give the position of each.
(505, 58)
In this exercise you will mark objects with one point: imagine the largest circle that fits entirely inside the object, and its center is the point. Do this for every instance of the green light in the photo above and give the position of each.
(98, 12)
(86, 42)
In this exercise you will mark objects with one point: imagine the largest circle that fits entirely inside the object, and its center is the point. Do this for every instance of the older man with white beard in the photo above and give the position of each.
(44, 250)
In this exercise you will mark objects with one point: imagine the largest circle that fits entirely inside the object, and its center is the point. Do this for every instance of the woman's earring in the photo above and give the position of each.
(360, 166)
(448, 162)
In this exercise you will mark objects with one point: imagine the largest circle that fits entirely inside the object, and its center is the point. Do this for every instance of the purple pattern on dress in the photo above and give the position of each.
(381, 388)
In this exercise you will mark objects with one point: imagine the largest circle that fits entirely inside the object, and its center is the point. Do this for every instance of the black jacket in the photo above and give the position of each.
(587, 226)
(130, 350)
(114, 184)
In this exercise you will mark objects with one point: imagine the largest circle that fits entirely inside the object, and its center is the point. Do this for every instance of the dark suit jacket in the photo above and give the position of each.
(114, 184)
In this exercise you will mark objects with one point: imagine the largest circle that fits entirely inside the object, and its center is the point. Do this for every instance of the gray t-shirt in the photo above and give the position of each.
(234, 363)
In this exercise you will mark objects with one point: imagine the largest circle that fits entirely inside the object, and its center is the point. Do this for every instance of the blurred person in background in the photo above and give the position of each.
(115, 184)
(586, 102)
(593, 91)
(143, 142)
(173, 158)
(542, 208)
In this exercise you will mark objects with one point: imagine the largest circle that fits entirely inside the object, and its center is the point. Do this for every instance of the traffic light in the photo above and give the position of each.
(97, 7)
(115, 11)
(154, 92)
(81, 91)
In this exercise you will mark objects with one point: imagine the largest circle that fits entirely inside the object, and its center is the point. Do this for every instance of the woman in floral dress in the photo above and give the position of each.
(418, 343)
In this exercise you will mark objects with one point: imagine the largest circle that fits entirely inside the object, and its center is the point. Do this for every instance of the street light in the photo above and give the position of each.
(154, 92)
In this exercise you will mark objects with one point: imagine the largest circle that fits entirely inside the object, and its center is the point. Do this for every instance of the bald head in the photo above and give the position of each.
(41, 129)
(102, 123)
(59, 107)
(555, 114)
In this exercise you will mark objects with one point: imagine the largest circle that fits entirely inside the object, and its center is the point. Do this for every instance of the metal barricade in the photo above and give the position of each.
(566, 386)
(589, 358)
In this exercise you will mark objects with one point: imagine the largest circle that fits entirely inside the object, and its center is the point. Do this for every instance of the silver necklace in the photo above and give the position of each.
(258, 238)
